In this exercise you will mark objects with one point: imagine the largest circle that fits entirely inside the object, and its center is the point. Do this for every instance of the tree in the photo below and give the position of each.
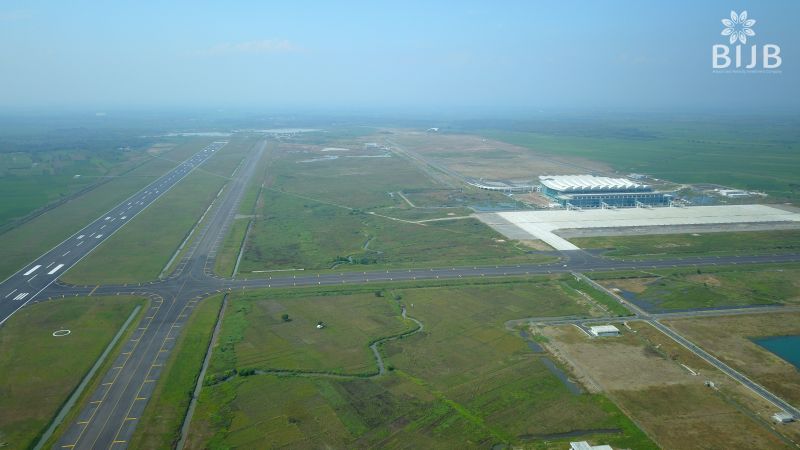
(286, 318)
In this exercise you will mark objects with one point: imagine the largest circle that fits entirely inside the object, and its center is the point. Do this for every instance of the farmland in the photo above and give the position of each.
(35, 376)
(435, 393)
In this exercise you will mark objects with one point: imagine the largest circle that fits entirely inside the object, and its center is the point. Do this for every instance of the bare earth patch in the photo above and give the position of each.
(635, 285)
(643, 373)
(729, 338)
(475, 156)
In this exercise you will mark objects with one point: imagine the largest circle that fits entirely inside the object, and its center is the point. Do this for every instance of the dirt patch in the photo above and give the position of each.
(694, 416)
(615, 363)
(643, 373)
(156, 149)
(672, 245)
(730, 339)
(635, 285)
(535, 244)
(475, 156)
(710, 280)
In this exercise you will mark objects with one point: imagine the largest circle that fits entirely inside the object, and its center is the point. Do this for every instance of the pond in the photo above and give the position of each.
(786, 347)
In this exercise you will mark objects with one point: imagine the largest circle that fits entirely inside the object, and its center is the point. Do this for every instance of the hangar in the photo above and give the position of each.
(604, 330)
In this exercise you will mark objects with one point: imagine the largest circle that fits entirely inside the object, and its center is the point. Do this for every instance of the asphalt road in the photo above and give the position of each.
(27, 284)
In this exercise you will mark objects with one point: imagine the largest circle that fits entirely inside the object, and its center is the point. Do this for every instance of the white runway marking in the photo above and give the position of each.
(10, 293)
(33, 278)
(31, 270)
(55, 269)
(21, 296)
(98, 236)
(81, 236)
(67, 253)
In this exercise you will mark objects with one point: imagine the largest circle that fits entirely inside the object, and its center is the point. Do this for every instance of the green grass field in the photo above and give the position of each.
(463, 381)
(709, 286)
(685, 150)
(695, 244)
(163, 416)
(339, 214)
(28, 241)
(38, 372)
(256, 336)
(140, 250)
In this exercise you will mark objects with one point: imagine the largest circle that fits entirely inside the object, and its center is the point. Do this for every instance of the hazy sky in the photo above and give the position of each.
(376, 54)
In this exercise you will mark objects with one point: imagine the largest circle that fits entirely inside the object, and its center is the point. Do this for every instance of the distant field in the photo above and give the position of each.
(341, 214)
(23, 244)
(140, 250)
(707, 287)
(34, 179)
(164, 414)
(695, 244)
(754, 154)
(464, 381)
(38, 371)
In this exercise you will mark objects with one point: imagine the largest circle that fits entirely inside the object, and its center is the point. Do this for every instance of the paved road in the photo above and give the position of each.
(26, 285)
(113, 410)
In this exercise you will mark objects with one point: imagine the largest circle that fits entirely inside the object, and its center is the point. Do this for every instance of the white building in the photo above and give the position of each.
(583, 445)
(783, 417)
(604, 330)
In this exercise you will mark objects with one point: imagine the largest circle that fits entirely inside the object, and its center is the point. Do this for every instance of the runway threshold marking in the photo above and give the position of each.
(31, 270)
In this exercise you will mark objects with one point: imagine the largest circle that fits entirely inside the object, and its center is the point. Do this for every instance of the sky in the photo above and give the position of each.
(373, 55)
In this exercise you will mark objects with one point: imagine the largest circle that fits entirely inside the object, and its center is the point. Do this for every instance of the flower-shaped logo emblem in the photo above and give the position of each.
(738, 27)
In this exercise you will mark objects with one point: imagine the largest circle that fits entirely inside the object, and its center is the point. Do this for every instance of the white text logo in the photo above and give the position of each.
(736, 56)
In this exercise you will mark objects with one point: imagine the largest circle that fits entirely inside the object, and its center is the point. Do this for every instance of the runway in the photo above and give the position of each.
(27, 284)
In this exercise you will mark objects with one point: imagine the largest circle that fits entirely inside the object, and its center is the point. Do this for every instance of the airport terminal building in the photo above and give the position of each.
(589, 191)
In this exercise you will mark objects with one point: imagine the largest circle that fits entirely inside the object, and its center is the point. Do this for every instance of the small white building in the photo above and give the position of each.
(783, 417)
(583, 445)
(604, 330)
(733, 193)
